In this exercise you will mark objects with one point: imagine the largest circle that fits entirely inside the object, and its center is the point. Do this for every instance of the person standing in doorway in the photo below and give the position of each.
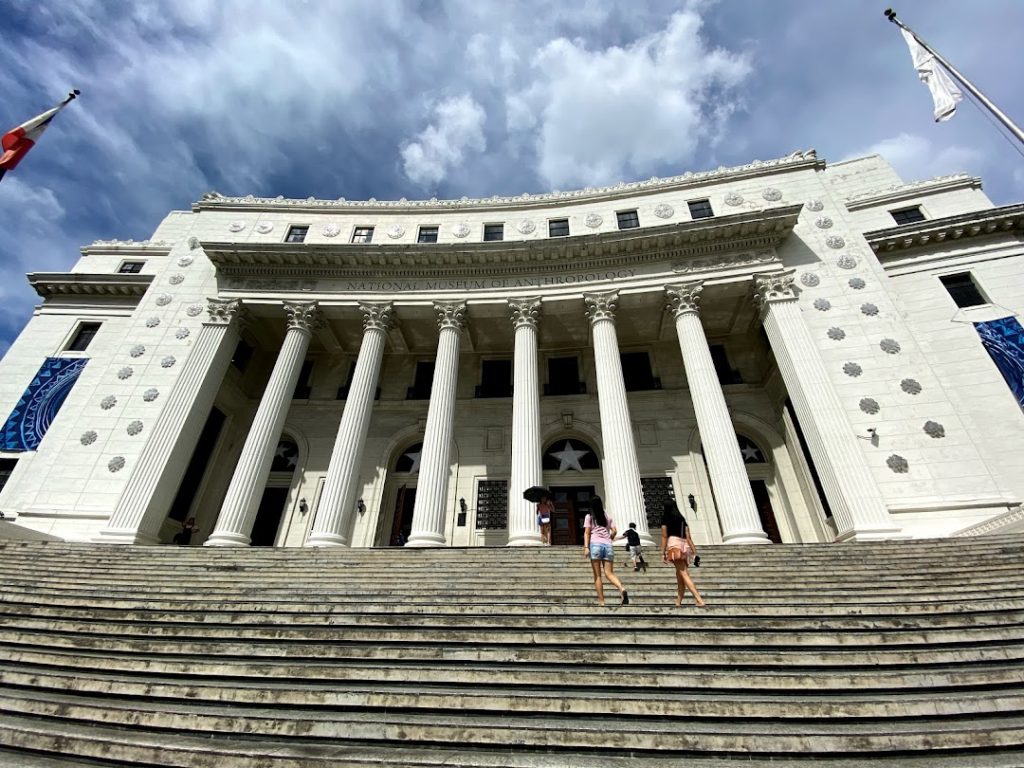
(545, 508)
(598, 535)
(677, 548)
(184, 537)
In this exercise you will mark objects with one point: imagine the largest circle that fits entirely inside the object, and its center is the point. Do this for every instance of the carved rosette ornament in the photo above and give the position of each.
(664, 211)
(810, 279)
(683, 298)
(835, 241)
(330, 230)
(815, 205)
(461, 229)
(264, 227)
(525, 227)
(236, 226)
(303, 315)
(223, 310)
(823, 222)
(856, 283)
(450, 314)
(734, 199)
(395, 231)
(184, 261)
(525, 311)
(376, 317)
(593, 220)
(778, 286)
(601, 306)
(771, 194)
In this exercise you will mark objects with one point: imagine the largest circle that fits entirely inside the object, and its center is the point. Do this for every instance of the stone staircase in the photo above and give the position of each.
(903, 654)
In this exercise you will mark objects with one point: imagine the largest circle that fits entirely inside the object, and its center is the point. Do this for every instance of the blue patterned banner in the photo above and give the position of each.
(37, 408)
(1004, 340)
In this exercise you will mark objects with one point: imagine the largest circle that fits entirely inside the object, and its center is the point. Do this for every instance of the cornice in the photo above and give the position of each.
(705, 239)
(1007, 219)
(77, 283)
(795, 161)
(128, 247)
(901, 192)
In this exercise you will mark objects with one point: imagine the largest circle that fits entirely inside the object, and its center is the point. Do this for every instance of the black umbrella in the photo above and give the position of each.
(535, 493)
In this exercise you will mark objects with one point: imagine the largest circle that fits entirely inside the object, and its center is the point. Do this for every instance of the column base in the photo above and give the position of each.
(426, 540)
(227, 540)
(326, 540)
(873, 534)
(746, 537)
(525, 540)
(125, 536)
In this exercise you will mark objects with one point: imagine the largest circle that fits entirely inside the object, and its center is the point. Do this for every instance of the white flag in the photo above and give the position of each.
(945, 94)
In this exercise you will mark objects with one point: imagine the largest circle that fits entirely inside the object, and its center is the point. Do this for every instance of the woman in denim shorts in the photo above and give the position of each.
(598, 535)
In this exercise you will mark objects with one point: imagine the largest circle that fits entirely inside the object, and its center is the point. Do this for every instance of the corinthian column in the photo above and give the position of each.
(334, 514)
(736, 508)
(624, 498)
(151, 487)
(238, 512)
(526, 456)
(432, 486)
(857, 506)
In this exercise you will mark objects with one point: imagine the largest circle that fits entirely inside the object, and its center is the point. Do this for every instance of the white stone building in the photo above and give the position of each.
(788, 348)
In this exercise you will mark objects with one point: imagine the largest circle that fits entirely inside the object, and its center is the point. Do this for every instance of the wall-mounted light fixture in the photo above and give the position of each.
(303, 506)
(692, 502)
(462, 505)
(360, 507)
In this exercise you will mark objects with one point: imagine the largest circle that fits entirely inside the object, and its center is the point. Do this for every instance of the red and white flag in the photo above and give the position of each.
(17, 142)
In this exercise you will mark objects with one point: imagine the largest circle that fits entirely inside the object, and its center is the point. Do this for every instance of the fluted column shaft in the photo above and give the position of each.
(154, 480)
(432, 486)
(856, 501)
(333, 520)
(526, 449)
(737, 510)
(242, 501)
(624, 496)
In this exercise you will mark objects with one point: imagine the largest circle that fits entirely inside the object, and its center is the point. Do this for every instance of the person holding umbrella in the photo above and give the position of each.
(545, 507)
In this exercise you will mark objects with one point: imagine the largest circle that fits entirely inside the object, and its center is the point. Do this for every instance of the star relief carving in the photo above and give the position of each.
(414, 457)
(751, 454)
(569, 457)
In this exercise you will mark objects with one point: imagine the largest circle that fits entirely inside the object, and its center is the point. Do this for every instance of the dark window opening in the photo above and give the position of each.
(83, 337)
(636, 372)
(495, 379)
(700, 209)
(427, 235)
(907, 215)
(302, 387)
(726, 374)
(494, 232)
(963, 289)
(409, 459)
(564, 377)
(6, 468)
(558, 228)
(197, 465)
(296, 234)
(810, 459)
(628, 219)
(346, 388)
(424, 380)
(242, 356)
(130, 267)
(362, 235)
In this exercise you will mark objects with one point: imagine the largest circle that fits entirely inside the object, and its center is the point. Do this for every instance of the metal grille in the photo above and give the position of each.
(492, 504)
(657, 491)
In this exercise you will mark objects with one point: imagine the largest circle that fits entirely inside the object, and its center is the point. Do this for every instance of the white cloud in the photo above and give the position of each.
(441, 146)
(916, 158)
(619, 112)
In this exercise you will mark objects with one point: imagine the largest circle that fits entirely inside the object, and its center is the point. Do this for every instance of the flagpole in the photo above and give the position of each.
(890, 14)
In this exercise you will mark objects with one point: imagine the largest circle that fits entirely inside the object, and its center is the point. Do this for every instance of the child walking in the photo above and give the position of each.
(636, 550)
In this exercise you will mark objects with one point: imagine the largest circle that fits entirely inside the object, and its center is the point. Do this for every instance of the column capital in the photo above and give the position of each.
(451, 314)
(525, 311)
(376, 317)
(601, 306)
(303, 315)
(773, 287)
(224, 311)
(684, 298)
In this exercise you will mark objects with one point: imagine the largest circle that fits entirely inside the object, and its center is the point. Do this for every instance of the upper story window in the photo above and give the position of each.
(628, 219)
(83, 337)
(636, 372)
(242, 356)
(558, 228)
(700, 209)
(564, 377)
(302, 386)
(422, 382)
(362, 235)
(908, 215)
(495, 379)
(427, 235)
(494, 232)
(130, 267)
(296, 234)
(963, 289)
(723, 368)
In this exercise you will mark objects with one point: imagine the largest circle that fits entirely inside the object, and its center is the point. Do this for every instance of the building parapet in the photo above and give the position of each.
(1008, 219)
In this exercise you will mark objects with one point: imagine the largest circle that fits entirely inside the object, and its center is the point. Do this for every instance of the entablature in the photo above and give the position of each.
(48, 284)
(1008, 219)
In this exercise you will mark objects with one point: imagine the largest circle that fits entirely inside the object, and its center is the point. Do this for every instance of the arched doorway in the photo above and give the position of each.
(405, 468)
(268, 517)
(572, 471)
(759, 473)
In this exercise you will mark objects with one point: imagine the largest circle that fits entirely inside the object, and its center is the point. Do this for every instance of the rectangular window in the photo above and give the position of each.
(726, 375)
(296, 234)
(564, 377)
(495, 379)
(494, 232)
(420, 389)
(130, 267)
(558, 228)
(963, 289)
(636, 372)
(427, 235)
(908, 215)
(302, 387)
(83, 337)
(628, 219)
(6, 468)
(700, 209)
(242, 356)
(362, 235)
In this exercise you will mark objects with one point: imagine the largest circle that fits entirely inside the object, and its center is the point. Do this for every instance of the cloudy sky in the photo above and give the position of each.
(397, 98)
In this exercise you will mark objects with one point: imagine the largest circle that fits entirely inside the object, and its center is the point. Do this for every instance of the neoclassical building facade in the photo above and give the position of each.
(793, 350)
